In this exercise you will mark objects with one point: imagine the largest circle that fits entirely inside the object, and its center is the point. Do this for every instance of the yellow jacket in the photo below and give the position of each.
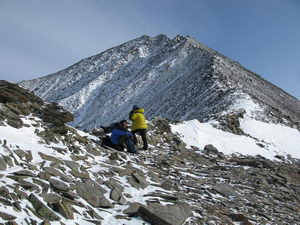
(138, 119)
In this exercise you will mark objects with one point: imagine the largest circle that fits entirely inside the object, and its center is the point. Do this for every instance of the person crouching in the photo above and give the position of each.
(121, 137)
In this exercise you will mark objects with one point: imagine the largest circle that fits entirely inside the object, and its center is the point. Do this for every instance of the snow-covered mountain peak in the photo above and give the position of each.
(177, 78)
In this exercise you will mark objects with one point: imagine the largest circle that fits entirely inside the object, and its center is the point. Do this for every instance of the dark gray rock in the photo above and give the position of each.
(180, 145)
(46, 222)
(3, 165)
(165, 215)
(116, 195)
(122, 200)
(71, 164)
(133, 209)
(164, 196)
(226, 190)
(142, 182)
(28, 185)
(79, 174)
(211, 149)
(230, 122)
(114, 156)
(58, 185)
(49, 157)
(28, 156)
(9, 160)
(55, 114)
(42, 210)
(93, 194)
(70, 195)
(21, 194)
(57, 173)
(52, 171)
(20, 153)
(113, 183)
(6, 216)
(63, 209)
(94, 214)
(24, 173)
(125, 172)
(51, 198)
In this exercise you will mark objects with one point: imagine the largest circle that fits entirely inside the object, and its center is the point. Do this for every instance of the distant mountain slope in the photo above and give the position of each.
(176, 78)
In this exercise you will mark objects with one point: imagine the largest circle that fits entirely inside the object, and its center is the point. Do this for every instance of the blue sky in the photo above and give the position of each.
(41, 37)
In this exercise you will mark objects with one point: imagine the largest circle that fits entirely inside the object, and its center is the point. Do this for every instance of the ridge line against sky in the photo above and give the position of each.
(42, 37)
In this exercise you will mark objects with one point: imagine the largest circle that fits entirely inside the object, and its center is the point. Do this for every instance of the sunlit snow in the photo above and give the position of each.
(277, 139)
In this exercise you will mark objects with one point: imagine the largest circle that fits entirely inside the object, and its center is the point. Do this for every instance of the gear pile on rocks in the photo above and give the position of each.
(80, 182)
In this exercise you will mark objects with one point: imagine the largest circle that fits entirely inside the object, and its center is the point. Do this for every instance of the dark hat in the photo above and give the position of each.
(135, 107)
(123, 121)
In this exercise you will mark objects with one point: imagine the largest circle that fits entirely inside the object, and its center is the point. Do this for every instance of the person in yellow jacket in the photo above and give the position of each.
(139, 125)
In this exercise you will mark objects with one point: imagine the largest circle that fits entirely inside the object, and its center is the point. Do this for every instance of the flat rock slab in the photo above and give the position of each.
(78, 174)
(28, 185)
(125, 172)
(72, 165)
(211, 149)
(53, 171)
(133, 209)
(24, 173)
(57, 173)
(64, 209)
(20, 153)
(6, 216)
(3, 164)
(226, 190)
(165, 215)
(59, 185)
(142, 182)
(116, 195)
(93, 194)
(94, 214)
(165, 196)
(42, 210)
(49, 157)
(112, 183)
(51, 198)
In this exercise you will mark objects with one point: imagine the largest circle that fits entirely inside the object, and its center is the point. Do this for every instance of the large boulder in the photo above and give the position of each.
(93, 194)
(11, 92)
(165, 215)
(55, 114)
(16, 101)
(41, 209)
(3, 164)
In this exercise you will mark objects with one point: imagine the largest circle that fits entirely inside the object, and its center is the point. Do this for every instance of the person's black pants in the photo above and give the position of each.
(143, 134)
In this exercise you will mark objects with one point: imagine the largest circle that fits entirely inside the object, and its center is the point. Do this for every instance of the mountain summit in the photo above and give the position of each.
(178, 78)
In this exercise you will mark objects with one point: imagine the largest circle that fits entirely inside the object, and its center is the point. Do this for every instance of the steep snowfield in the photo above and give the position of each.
(25, 138)
(273, 139)
(277, 139)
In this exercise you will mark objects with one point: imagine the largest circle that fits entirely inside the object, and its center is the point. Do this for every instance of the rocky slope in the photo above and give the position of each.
(178, 78)
(49, 172)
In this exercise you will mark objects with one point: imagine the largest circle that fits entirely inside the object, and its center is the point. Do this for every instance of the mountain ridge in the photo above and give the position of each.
(176, 78)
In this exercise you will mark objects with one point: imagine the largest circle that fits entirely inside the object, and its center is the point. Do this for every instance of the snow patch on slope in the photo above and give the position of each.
(244, 101)
(25, 138)
(277, 139)
(282, 139)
